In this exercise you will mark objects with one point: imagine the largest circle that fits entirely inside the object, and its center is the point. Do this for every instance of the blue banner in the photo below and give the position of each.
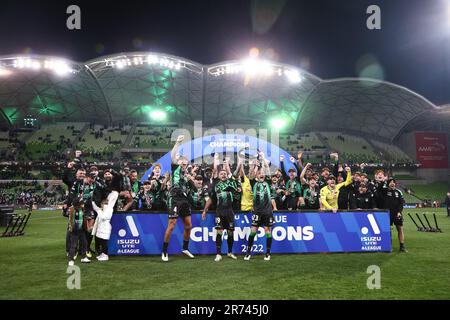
(294, 232)
(203, 148)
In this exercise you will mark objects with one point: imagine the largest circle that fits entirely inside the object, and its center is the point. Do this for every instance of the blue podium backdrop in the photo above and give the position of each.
(230, 144)
(294, 232)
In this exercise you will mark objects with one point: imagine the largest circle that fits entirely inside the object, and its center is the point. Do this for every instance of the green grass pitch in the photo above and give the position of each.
(34, 267)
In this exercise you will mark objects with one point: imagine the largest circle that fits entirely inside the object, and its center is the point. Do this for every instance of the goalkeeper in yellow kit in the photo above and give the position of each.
(330, 193)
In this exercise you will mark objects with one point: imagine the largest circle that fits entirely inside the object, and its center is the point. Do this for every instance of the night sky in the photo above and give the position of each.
(327, 38)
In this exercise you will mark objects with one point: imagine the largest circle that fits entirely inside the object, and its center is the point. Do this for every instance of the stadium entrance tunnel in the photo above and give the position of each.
(202, 150)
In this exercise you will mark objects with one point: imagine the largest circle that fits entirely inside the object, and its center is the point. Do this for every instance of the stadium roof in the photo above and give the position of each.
(128, 86)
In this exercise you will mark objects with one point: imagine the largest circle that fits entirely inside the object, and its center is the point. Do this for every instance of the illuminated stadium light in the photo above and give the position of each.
(59, 66)
(138, 61)
(251, 67)
(163, 62)
(158, 115)
(4, 72)
(36, 65)
(278, 123)
(293, 76)
(152, 59)
(119, 64)
(255, 67)
(19, 63)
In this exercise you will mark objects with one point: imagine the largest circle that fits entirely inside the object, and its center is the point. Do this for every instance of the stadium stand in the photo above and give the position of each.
(434, 191)
(352, 148)
(146, 136)
(409, 198)
(100, 142)
(51, 140)
(309, 143)
(394, 153)
(11, 139)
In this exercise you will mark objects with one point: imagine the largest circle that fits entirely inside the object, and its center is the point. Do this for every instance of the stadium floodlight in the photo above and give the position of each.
(19, 63)
(163, 62)
(4, 72)
(278, 123)
(293, 75)
(119, 64)
(254, 67)
(36, 65)
(137, 61)
(158, 115)
(251, 66)
(60, 67)
(152, 59)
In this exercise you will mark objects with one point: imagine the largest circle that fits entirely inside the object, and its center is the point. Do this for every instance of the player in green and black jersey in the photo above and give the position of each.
(224, 191)
(311, 196)
(198, 194)
(262, 206)
(178, 200)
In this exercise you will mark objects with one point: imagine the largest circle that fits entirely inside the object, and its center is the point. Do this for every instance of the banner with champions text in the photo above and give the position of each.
(140, 233)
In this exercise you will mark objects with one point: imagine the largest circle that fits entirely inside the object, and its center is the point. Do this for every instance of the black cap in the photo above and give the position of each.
(198, 177)
(292, 170)
(92, 175)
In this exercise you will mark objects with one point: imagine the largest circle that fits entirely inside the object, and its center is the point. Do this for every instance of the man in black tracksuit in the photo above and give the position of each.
(393, 200)
(363, 199)
(379, 188)
(69, 178)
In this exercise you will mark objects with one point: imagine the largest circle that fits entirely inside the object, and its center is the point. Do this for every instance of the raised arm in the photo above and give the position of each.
(302, 175)
(174, 153)
(348, 179)
(226, 164)
(239, 172)
(254, 170)
(297, 170)
(265, 164)
(299, 161)
(215, 165)
(283, 171)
